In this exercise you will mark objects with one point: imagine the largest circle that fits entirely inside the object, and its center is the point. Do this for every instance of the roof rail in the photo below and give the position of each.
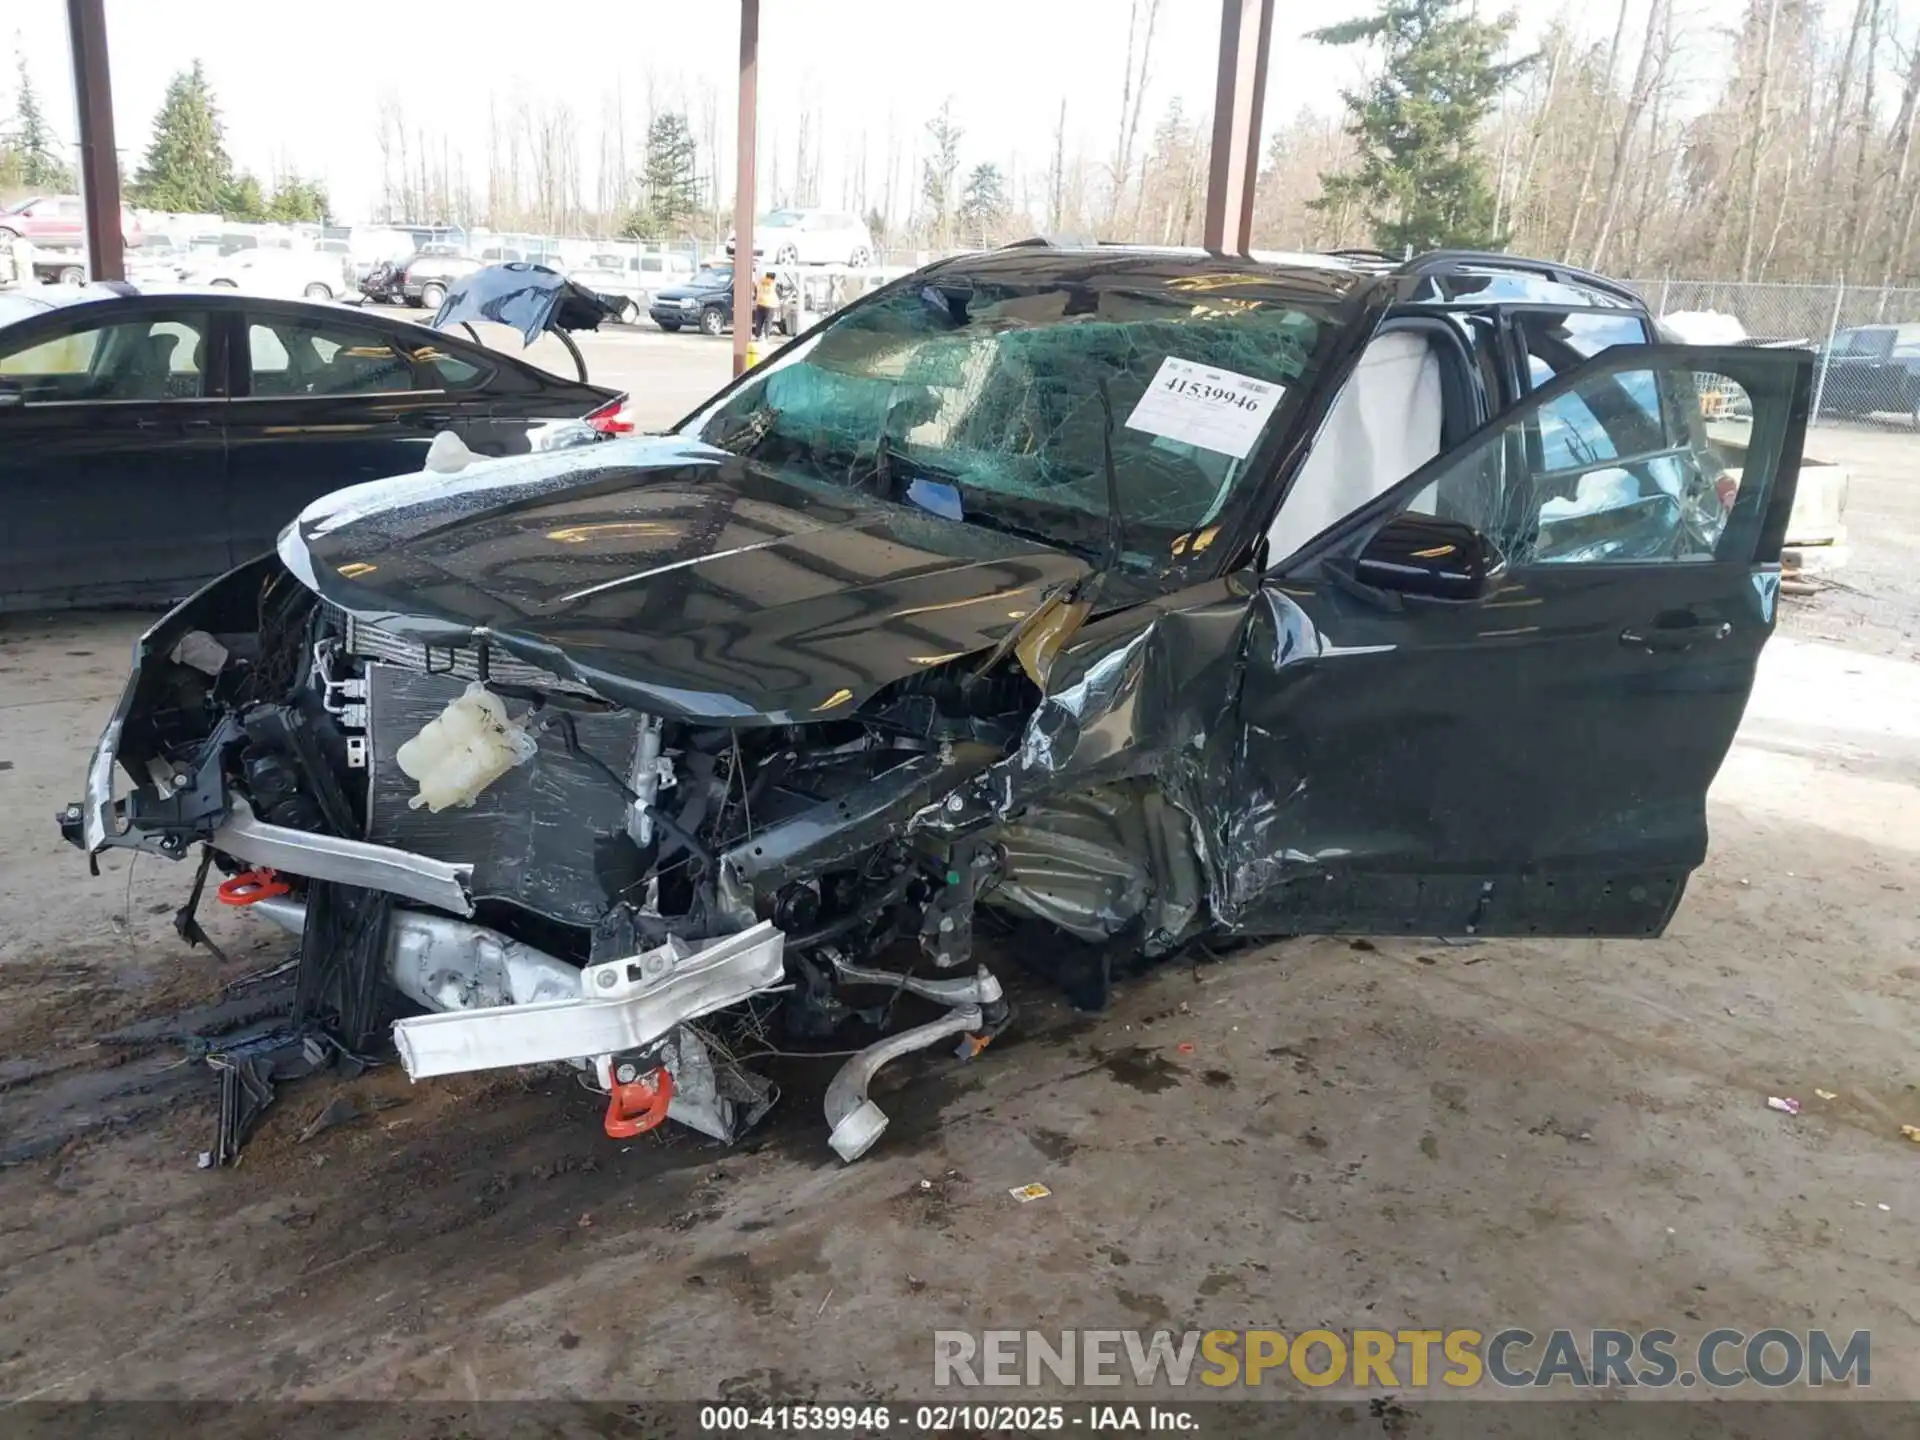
(1434, 262)
(1052, 242)
(1360, 252)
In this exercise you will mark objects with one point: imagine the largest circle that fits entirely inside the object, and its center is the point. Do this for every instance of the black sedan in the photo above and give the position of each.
(149, 442)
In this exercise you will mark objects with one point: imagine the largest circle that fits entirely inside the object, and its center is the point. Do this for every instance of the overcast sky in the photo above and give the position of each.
(299, 81)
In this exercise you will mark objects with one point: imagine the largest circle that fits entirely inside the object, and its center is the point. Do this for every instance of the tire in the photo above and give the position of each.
(787, 255)
(668, 325)
(317, 291)
(8, 235)
(861, 257)
(432, 295)
(712, 321)
(72, 275)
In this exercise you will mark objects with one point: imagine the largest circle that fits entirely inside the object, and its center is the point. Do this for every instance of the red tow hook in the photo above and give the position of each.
(638, 1105)
(251, 885)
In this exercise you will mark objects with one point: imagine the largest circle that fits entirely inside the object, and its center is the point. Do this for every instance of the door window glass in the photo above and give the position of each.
(295, 357)
(1626, 466)
(1556, 342)
(441, 371)
(146, 359)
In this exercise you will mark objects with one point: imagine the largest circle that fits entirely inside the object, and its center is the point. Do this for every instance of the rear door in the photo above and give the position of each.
(112, 456)
(327, 400)
(1534, 760)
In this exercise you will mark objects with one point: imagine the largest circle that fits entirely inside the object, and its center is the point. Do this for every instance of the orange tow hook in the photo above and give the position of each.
(249, 886)
(638, 1104)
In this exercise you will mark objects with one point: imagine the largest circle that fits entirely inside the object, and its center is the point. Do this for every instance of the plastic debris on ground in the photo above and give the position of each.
(1024, 1193)
(1912, 1132)
(1827, 1094)
(1784, 1103)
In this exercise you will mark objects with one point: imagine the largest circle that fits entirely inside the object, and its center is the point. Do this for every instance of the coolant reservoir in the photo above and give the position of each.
(464, 749)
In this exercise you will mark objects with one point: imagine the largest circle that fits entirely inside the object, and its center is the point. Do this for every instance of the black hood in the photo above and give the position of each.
(695, 292)
(674, 577)
(529, 298)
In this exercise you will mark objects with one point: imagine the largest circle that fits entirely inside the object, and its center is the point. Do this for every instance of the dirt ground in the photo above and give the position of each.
(1402, 1134)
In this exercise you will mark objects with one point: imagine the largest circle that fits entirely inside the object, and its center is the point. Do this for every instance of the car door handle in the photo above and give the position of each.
(1660, 639)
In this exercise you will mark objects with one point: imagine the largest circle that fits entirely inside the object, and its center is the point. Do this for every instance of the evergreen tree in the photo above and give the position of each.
(297, 199)
(1421, 179)
(242, 199)
(984, 205)
(36, 163)
(187, 168)
(671, 186)
(938, 170)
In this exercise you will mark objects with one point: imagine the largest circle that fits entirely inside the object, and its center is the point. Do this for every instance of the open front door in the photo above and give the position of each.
(1492, 700)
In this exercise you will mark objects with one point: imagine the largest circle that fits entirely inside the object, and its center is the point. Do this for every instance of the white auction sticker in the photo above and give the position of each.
(1214, 409)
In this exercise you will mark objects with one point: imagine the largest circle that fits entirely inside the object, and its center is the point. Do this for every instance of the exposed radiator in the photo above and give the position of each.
(549, 835)
(370, 642)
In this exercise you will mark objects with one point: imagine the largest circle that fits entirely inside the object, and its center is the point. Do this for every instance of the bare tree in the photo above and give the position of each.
(1057, 172)
(1133, 95)
(1900, 230)
(1759, 134)
(1648, 74)
(1593, 149)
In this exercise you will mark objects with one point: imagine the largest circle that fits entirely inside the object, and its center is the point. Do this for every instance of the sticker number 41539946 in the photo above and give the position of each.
(1219, 410)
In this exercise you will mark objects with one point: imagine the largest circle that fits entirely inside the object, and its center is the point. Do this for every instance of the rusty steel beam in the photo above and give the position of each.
(1246, 30)
(743, 183)
(99, 164)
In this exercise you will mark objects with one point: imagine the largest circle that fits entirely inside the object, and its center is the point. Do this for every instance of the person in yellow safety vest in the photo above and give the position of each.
(765, 298)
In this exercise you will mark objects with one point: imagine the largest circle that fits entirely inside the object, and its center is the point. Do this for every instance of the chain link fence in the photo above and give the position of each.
(1867, 338)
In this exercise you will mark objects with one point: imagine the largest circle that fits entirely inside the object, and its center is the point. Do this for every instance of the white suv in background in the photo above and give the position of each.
(811, 237)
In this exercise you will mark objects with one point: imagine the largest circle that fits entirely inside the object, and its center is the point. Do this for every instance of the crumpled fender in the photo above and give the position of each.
(1153, 691)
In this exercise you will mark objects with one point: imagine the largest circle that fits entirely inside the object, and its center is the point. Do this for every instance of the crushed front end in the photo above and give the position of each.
(668, 754)
(657, 900)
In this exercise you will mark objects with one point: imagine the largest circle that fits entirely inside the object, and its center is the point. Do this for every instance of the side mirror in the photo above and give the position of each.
(1423, 555)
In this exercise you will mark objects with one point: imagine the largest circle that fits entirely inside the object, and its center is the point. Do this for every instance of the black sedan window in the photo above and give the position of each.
(150, 358)
(294, 357)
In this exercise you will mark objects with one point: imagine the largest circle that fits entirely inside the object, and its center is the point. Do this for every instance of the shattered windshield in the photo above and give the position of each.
(1030, 396)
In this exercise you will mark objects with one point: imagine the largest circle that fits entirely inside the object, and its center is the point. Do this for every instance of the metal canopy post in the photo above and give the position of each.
(99, 165)
(1246, 29)
(743, 183)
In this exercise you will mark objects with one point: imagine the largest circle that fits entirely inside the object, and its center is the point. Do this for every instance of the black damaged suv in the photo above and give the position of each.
(1132, 596)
